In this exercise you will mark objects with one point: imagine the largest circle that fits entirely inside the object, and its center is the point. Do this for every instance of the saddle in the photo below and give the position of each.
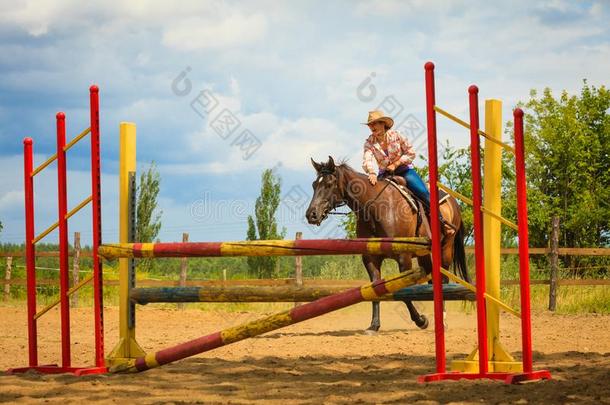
(400, 184)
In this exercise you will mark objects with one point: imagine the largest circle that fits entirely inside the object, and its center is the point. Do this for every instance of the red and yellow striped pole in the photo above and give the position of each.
(304, 312)
(299, 247)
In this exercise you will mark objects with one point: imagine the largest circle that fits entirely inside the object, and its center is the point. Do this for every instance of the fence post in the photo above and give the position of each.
(554, 264)
(7, 278)
(76, 267)
(298, 267)
(183, 267)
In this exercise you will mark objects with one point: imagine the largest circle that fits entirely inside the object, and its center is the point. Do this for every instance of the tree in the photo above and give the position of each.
(568, 147)
(148, 217)
(265, 225)
(568, 165)
(348, 223)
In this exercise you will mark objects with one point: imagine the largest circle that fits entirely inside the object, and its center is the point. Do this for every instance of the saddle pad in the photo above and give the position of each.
(442, 195)
(406, 194)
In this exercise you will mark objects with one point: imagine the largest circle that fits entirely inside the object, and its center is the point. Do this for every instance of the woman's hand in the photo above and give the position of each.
(373, 178)
(391, 167)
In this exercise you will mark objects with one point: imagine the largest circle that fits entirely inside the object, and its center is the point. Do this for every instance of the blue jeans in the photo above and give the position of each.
(416, 185)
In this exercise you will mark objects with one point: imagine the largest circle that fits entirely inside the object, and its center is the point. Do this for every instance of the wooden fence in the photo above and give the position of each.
(76, 253)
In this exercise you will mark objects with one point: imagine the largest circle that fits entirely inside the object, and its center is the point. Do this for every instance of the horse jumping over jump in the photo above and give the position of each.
(382, 211)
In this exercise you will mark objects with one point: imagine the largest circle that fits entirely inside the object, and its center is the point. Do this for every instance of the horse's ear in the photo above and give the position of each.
(316, 165)
(331, 162)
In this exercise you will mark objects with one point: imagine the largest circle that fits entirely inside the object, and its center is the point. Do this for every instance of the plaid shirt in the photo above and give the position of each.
(398, 148)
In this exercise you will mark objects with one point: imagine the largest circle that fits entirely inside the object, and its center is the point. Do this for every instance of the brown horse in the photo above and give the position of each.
(381, 211)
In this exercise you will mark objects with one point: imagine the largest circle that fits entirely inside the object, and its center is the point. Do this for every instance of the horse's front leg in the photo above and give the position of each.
(373, 268)
(404, 264)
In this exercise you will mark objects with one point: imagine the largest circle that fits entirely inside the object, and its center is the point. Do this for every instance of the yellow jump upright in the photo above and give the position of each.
(499, 359)
(127, 347)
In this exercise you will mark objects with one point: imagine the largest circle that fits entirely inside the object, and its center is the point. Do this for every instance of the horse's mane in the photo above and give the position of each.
(345, 166)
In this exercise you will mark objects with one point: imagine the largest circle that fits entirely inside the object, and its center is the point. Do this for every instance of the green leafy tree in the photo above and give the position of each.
(568, 163)
(148, 217)
(348, 223)
(568, 167)
(454, 171)
(264, 225)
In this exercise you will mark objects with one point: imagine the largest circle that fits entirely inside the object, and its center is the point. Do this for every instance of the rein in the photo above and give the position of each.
(342, 203)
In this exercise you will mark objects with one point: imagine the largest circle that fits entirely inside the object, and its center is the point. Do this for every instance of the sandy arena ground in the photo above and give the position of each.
(325, 360)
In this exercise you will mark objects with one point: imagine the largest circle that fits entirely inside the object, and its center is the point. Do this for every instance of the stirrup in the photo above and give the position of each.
(448, 229)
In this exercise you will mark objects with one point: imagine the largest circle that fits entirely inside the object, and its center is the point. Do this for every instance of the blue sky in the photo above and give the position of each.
(299, 77)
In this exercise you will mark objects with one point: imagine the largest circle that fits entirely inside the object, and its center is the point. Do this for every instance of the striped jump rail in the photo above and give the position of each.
(299, 247)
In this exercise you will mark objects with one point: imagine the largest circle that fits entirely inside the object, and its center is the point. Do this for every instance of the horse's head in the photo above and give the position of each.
(327, 193)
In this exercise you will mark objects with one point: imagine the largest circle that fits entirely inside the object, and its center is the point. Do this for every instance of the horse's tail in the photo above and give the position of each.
(459, 254)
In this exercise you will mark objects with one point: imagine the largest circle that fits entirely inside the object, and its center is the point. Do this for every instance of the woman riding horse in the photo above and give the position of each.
(394, 155)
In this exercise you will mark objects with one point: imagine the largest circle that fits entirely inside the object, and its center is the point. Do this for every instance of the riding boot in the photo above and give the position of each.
(447, 228)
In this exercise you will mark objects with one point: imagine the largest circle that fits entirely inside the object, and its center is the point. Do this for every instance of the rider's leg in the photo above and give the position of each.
(418, 187)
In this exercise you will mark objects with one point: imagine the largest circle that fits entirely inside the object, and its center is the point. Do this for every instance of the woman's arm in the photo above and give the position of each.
(408, 152)
(368, 160)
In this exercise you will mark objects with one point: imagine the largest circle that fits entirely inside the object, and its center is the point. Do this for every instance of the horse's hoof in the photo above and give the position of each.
(371, 332)
(422, 323)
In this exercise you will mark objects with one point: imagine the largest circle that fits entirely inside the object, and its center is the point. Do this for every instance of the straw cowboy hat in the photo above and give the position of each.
(378, 115)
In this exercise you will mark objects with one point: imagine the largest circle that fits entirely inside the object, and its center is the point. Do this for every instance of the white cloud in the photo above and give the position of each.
(33, 17)
(289, 71)
(393, 8)
(197, 33)
(285, 142)
(11, 200)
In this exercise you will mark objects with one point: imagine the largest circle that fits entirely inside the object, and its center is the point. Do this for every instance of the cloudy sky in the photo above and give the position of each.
(293, 79)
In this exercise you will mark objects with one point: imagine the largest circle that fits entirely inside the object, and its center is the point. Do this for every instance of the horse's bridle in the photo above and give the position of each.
(343, 202)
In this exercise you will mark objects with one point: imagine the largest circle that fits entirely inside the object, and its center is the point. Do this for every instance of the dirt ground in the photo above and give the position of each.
(324, 360)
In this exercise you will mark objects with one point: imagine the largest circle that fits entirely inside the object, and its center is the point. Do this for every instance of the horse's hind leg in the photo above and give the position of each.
(373, 268)
(420, 319)
(404, 264)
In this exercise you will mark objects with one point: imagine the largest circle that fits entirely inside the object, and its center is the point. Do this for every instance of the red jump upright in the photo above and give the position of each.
(473, 126)
(62, 226)
(524, 259)
(435, 226)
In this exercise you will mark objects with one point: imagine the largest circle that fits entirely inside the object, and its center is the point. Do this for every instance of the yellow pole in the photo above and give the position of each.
(499, 359)
(127, 347)
(492, 200)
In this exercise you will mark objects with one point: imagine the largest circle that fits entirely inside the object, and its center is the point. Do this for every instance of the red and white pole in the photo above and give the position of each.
(479, 251)
(62, 204)
(439, 328)
(30, 250)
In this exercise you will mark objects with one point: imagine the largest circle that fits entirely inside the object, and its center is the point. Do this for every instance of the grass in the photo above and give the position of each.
(570, 299)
